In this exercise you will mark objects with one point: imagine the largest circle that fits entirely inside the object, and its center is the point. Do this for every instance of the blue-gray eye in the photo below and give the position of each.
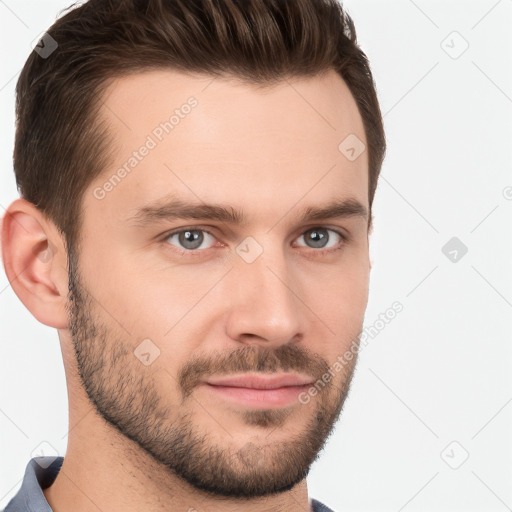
(318, 237)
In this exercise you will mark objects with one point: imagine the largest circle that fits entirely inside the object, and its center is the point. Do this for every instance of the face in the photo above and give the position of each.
(164, 302)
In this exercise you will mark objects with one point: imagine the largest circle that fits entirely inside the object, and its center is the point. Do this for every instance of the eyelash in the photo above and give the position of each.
(198, 252)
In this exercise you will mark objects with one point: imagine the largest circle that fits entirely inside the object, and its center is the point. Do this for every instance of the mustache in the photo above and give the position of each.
(253, 358)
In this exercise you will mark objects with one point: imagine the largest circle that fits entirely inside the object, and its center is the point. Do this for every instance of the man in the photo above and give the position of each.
(196, 186)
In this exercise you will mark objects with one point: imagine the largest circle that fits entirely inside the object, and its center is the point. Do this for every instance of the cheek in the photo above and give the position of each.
(340, 304)
(168, 307)
(342, 289)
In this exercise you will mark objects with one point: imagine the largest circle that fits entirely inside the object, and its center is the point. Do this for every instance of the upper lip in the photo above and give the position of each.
(261, 382)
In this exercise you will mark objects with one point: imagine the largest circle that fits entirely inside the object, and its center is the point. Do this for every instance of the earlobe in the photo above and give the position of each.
(35, 263)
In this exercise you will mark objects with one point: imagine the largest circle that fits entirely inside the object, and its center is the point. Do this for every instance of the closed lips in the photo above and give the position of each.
(262, 382)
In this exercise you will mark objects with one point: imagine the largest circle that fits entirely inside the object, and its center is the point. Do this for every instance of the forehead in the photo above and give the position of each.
(219, 140)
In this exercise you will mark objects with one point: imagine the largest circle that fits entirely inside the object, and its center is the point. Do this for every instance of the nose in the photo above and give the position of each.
(265, 305)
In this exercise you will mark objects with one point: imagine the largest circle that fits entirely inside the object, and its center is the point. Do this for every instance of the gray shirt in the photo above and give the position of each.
(41, 473)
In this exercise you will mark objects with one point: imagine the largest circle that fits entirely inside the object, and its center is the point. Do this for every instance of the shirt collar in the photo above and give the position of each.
(40, 473)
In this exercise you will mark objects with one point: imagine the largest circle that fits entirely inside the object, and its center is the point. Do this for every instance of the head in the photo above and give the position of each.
(233, 120)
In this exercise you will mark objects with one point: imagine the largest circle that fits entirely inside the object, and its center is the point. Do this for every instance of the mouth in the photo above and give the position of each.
(258, 391)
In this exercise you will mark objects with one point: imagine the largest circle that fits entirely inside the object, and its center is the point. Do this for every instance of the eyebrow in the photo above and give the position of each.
(176, 208)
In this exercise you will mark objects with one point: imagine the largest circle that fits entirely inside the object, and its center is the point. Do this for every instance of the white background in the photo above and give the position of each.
(439, 372)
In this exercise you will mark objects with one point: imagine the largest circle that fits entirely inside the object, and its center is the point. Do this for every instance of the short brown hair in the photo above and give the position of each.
(60, 145)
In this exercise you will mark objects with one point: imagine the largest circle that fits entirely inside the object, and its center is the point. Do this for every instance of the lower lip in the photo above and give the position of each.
(259, 398)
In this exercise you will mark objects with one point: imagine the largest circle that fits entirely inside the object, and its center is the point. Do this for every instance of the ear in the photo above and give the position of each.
(35, 261)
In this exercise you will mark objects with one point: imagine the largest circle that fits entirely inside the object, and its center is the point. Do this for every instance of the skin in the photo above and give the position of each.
(149, 437)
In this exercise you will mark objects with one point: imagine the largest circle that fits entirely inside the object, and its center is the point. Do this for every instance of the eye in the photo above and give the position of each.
(189, 240)
(319, 238)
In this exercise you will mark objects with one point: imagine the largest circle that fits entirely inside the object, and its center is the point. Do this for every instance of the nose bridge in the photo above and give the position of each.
(263, 303)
